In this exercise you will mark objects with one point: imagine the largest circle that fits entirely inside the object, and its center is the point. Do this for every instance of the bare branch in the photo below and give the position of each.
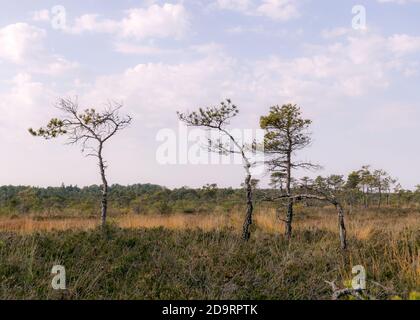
(84, 127)
(338, 293)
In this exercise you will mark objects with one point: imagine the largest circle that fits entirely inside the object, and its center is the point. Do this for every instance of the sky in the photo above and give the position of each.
(354, 71)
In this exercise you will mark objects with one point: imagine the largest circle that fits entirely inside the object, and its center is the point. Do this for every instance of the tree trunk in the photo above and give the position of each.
(365, 198)
(246, 234)
(289, 218)
(104, 201)
(341, 226)
(289, 214)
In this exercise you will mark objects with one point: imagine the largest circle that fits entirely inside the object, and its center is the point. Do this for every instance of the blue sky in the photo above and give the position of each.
(360, 87)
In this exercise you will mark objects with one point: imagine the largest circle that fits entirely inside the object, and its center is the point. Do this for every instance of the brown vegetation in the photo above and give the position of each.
(360, 224)
(202, 257)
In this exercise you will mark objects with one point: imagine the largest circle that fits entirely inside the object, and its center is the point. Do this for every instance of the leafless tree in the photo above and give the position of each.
(323, 196)
(90, 129)
(321, 189)
(338, 293)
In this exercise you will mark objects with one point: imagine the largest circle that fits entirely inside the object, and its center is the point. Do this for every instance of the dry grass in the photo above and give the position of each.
(208, 261)
(361, 225)
(28, 225)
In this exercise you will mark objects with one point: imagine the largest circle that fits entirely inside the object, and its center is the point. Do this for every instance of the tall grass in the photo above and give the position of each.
(360, 224)
(202, 257)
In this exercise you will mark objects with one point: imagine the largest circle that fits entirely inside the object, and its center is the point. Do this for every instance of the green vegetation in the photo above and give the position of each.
(211, 261)
(154, 199)
(193, 264)
(136, 199)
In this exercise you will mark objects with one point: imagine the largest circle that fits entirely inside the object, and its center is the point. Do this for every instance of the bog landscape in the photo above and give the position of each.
(282, 187)
(298, 240)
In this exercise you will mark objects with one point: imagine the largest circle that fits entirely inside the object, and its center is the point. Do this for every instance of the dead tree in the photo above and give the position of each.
(322, 191)
(324, 197)
(338, 293)
(85, 127)
(217, 118)
(359, 293)
(340, 213)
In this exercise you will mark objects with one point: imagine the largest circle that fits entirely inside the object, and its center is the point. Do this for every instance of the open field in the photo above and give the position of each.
(360, 225)
(183, 256)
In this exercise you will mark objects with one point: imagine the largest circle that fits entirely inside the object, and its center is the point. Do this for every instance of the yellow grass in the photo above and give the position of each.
(360, 225)
(400, 247)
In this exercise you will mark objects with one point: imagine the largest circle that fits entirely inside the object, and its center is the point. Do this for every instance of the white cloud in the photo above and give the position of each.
(352, 64)
(168, 20)
(156, 21)
(92, 23)
(19, 40)
(156, 90)
(403, 44)
(23, 45)
(57, 65)
(355, 66)
(26, 101)
(281, 10)
(237, 5)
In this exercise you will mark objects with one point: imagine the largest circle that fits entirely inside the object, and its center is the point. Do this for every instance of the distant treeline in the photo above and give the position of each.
(137, 199)
(155, 199)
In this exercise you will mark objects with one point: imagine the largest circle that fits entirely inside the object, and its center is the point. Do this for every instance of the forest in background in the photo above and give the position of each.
(361, 189)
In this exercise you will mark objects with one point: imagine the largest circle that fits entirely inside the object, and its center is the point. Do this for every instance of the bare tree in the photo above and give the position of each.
(338, 293)
(218, 118)
(321, 189)
(331, 189)
(286, 133)
(87, 127)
